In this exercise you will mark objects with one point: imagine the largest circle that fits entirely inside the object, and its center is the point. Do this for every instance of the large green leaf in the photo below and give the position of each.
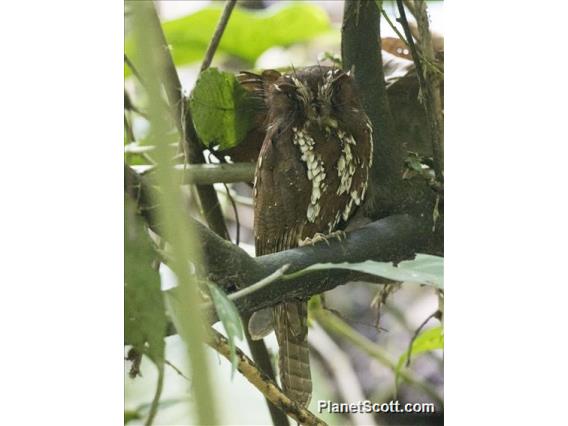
(426, 341)
(247, 35)
(221, 109)
(424, 269)
(229, 316)
(144, 310)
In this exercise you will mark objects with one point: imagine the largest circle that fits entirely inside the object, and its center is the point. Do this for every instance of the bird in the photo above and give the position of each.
(311, 175)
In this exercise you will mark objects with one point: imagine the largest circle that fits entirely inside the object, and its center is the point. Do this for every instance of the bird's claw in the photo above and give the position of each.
(318, 238)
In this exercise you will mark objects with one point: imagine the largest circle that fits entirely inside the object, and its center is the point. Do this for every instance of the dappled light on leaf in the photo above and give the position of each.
(222, 110)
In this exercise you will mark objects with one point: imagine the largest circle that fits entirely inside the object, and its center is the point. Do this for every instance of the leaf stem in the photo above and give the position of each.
(417, 332)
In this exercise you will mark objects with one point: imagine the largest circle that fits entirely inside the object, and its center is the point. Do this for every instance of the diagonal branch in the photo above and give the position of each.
(263, 383)
(214, 43)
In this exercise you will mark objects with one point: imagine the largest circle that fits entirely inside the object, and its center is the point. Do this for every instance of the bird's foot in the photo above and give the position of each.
(340, 235)
(318, 238)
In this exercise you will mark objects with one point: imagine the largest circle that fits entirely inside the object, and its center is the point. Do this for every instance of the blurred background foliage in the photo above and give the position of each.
(264, 35)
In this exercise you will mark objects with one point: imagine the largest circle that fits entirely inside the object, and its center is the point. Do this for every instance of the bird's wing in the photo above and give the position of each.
(281, 196)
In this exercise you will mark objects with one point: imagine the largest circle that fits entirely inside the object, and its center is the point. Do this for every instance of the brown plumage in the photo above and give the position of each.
(310, 176)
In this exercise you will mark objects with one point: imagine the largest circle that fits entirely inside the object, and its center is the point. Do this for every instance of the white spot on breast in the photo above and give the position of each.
(315, 170)
(345, 167)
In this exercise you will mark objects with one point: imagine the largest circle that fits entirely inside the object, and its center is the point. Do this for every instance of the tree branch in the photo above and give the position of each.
(207, 174)
(221, 25)
(394, 238)
(263, 383)
(360, 50)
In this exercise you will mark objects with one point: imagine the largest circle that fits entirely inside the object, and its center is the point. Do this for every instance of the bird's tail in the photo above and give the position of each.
(291, 326)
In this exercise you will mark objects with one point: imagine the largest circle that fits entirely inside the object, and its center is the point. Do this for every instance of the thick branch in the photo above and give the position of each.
(360, 49)
(391, 239)
(394, 238)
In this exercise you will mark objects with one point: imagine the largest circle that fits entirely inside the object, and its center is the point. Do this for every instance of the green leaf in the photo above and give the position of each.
(144, 310)
(229, 316)
(424, 269)
(247, 35)
(428, 340)
(221, 109)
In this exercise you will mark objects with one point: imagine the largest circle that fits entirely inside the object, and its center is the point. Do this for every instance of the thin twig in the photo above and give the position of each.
(236, 213)
(177, 370)
(417, 332)
(410, 42)
(218, 34)
(393, 26)
(263, 383)
(233, 204)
